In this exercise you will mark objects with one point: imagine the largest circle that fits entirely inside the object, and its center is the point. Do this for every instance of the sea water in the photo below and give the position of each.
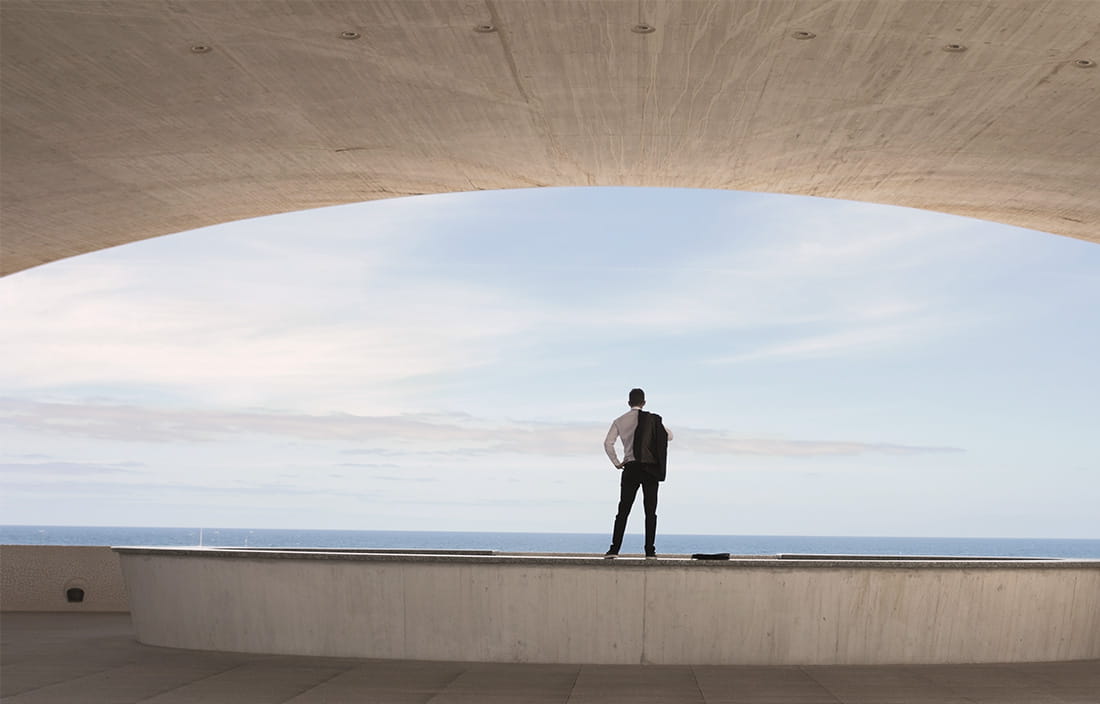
(548, 542)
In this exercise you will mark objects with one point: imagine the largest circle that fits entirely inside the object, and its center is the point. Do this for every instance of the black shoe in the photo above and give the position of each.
(651, 556)
(610, 555)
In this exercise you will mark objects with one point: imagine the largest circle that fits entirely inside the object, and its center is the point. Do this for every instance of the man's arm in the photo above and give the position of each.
(609, 446)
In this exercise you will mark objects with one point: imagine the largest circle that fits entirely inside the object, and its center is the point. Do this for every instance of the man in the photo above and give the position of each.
(645, 446)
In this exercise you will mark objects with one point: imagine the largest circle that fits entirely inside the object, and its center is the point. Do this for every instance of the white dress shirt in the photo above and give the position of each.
(623, 428)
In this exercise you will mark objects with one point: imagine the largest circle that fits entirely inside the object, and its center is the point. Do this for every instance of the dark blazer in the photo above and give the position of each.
(651, 444)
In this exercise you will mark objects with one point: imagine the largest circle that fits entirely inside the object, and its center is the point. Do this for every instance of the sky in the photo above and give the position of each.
(453, 362)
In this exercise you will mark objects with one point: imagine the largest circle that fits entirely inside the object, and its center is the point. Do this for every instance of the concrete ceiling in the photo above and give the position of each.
(127, 119)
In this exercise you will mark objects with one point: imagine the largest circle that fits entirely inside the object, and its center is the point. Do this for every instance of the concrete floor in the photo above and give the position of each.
(49, 658)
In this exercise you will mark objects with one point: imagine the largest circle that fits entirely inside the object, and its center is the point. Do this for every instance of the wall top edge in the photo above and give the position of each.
(625, 561)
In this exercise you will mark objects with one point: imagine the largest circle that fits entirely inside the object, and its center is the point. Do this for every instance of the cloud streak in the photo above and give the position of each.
(395, 436)
(864, 338)
(45, 471)
(709, 442)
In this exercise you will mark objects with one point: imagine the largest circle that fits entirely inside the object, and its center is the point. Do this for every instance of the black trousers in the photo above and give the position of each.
(633, 477)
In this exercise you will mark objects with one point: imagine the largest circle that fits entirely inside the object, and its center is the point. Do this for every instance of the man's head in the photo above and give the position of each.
(637, 398)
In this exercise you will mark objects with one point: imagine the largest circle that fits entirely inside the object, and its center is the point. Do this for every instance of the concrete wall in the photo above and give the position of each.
(526, 609)
(38, 577)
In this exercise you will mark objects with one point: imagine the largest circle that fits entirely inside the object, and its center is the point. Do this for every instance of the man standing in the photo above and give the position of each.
(645, 446)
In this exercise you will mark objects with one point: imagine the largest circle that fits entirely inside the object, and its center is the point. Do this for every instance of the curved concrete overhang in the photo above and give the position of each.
(584, 609)
(124, 119)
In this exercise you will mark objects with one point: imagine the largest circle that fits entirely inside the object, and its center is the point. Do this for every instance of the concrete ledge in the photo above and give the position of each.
(626, 561)
(39, 577)
(582, 609)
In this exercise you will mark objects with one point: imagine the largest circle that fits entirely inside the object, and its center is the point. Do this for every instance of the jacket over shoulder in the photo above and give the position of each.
(651, 444)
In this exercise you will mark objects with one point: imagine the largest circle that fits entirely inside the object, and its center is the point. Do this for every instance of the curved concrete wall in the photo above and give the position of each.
(38, 577)
(586, 610)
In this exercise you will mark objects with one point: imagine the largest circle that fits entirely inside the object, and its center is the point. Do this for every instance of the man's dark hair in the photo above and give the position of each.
(637, 397)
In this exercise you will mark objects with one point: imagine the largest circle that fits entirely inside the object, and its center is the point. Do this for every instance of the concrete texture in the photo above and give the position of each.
(93, 658)
(127, 119)
(629, 611)
(38, 577)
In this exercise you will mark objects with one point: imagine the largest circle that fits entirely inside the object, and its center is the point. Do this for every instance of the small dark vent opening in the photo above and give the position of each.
(74, 595)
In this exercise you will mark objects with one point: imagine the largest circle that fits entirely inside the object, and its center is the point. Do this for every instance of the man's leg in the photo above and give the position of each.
(628, 489)
(649, 500)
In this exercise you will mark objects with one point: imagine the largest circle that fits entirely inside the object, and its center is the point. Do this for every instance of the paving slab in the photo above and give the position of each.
(630, 684)
(253, 683)
(385, 682)
(760, 685)
(519, 682)
(884, 685)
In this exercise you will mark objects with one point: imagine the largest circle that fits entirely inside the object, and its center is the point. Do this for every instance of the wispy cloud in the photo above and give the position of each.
(143, 424)
(223, 349)
(392, 436)
(860, 339)
(716, 443)
(45, 471)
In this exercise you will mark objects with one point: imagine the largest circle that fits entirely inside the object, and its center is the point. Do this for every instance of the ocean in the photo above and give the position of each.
(548, 542)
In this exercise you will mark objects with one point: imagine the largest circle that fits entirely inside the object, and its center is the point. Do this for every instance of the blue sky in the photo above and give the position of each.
(452, 362)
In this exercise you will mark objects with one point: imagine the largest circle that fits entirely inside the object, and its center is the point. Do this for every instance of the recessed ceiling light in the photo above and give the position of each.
(350, 35)
(643, 28)
(803, 35)
(200, 49)
(1084, 63)
(954, 47)
(485, 28)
